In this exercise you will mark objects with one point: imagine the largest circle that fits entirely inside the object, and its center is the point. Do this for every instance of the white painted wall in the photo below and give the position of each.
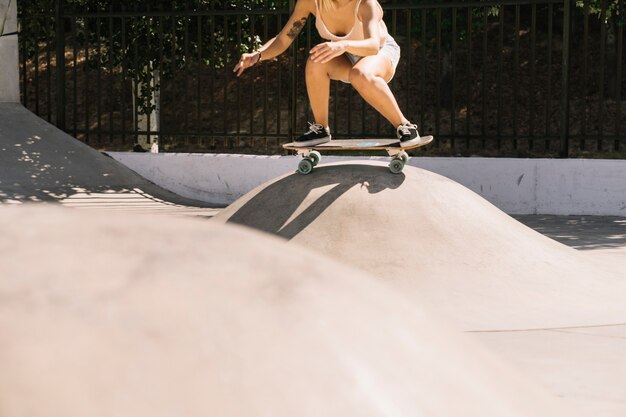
(517, 186)
(9, 58)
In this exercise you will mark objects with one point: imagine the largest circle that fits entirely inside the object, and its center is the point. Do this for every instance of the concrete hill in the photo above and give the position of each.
(553, 311)
(439, 243)
(209, 320)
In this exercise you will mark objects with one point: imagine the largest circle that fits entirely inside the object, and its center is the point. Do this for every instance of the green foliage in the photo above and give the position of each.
(604, 9)
(156, 35)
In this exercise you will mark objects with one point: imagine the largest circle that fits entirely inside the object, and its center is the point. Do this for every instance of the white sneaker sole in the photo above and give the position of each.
(313, 142)
(415, 141)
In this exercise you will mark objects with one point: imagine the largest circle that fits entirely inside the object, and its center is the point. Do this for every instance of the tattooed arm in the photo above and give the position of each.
(279, 44)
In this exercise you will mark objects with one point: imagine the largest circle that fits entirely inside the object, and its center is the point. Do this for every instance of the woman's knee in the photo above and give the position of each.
(361, 77)
(316, 68)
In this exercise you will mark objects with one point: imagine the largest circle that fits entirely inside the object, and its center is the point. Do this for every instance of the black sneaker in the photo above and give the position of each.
(408, 133)
(314, 136)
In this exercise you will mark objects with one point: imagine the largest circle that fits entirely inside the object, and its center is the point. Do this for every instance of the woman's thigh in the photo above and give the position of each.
(378, 65)
(337, 68)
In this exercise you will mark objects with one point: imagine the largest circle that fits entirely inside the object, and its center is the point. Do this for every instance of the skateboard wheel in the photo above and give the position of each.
(305, 166)
(315, 157)
(396, 166)
(405, 157)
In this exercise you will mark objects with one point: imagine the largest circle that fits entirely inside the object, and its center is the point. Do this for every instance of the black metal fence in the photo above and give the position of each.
(507, 78)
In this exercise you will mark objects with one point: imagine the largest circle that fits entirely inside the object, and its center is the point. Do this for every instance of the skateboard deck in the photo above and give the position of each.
(311, 154)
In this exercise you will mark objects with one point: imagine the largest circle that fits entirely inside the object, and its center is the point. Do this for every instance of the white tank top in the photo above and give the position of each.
(356, 33)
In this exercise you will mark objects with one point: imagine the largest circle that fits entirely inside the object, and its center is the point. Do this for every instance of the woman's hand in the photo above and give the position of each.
(246, 61)
(326, 51)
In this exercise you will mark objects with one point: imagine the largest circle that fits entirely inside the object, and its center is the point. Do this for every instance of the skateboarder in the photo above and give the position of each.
(359, 50)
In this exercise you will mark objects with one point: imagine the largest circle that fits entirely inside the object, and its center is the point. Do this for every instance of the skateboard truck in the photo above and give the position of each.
(311, 158)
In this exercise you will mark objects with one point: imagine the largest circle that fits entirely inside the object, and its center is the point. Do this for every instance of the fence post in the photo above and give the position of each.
(564, 122)
(60, 64)
(293, 82)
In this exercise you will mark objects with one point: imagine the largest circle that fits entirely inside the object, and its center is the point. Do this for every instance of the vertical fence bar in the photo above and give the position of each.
(74, 80)
(185, 64)
(548, 109)
(423, 72)
(124, 76)
(602, 71)
(453, 79)
(516, 76)
(48, 73)
(533, 76)
(212, 69)
(24, 58)
(499, 77)
(160, 34)
(468, 84)
(564, 125)
(585, 89)
(60, 65)
(483, 93)
(438, 77)
(162, 135)
(199, 77)
(111, 80)
(98, 80)
(620, 63)
(86, 97)
(36, 72)
(225, 102)
(135, 86)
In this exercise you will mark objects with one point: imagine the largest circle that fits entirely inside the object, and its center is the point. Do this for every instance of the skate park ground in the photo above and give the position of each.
(577, 362)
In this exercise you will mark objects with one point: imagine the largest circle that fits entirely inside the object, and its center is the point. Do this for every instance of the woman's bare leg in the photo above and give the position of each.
(318, 78)
(369, 77)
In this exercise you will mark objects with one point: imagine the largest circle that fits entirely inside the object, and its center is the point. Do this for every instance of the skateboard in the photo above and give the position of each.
(311, 155)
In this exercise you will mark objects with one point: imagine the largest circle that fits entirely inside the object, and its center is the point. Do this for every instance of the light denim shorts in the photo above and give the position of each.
(390, 49)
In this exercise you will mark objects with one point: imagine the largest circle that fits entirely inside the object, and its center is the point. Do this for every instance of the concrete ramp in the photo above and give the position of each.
(131, 316)
(438, 242)
(554, 312)
(40, 163)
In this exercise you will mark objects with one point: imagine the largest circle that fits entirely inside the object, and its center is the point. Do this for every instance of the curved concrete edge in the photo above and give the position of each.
(516, 186)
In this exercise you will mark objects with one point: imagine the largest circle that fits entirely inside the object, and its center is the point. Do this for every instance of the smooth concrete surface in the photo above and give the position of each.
(439, 242)
(141, 316)
(585, 365)
(38, 162)
(441, 245)
(516, 186)
(9, 56)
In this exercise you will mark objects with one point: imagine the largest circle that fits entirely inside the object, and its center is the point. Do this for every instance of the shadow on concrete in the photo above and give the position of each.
(292, 203)
(580, 232)
(40, 163)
